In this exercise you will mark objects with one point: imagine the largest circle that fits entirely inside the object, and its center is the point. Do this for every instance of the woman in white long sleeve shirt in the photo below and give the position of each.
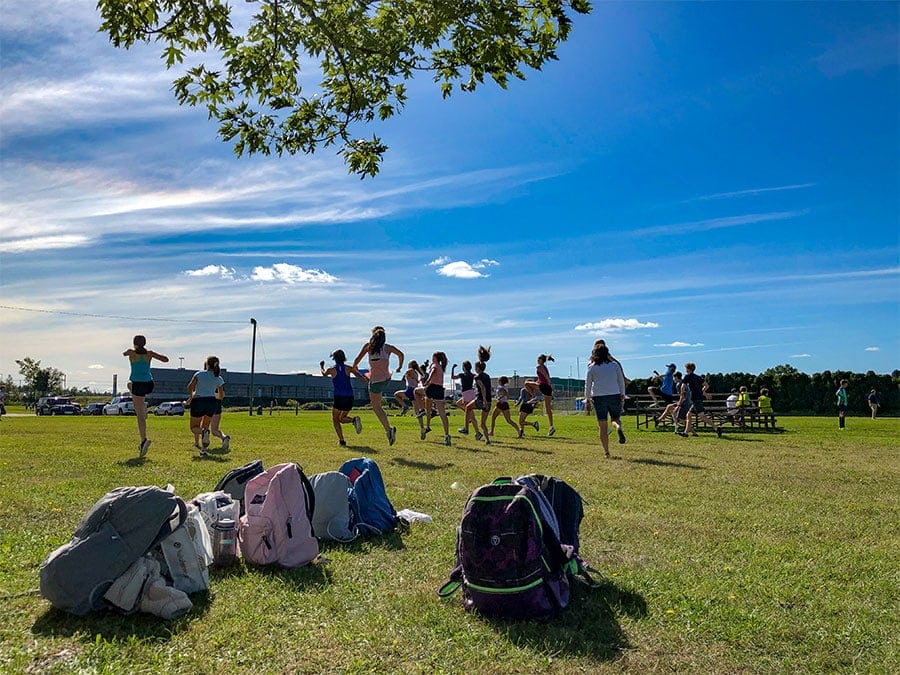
(604, 385)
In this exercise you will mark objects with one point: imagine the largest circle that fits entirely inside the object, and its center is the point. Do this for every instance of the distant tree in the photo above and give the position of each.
(363, 53)
(39, 381)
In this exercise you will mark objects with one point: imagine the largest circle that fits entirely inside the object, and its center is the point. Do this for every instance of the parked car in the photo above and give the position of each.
(120, 405)
(93, 409)
(169, 408)
(56, 405)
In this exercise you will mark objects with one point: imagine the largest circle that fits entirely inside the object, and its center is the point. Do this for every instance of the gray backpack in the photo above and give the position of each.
(117, 530)
(331, 519)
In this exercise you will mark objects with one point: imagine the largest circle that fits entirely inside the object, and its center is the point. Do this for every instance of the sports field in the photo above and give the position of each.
(750, 553)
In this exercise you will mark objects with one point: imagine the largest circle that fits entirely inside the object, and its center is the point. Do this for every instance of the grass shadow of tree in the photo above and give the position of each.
(659, 462)
(422, 466)
(589, 627)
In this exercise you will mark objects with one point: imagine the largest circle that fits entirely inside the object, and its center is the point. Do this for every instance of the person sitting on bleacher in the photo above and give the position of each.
(764, 402)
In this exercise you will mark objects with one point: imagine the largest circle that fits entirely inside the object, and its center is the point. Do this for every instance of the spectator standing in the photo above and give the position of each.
(874, 404)
(842, 401)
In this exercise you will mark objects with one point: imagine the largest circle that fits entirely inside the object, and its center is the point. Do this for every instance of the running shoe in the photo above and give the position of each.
(478, 435)
(145, 445)
(463, 431)
(551, 431)
(621, 437)
(205, 438)
(392, 435)
(226, 443)
(447, 439)
(357, 424)
(536, 425)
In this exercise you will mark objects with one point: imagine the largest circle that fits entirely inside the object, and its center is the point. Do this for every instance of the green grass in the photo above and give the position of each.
(753, 553)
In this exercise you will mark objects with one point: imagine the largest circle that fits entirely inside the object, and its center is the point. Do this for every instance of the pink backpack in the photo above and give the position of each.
(276, 526)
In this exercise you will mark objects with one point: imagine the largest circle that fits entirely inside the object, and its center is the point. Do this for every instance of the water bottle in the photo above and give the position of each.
(224, 542)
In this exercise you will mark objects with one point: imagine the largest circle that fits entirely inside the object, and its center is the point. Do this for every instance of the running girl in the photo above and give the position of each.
(140, 383)
(467, 394)
(342, 402)
(205, 393)
(434, 393)
(543, 386)
(379, 354)
(503, 406)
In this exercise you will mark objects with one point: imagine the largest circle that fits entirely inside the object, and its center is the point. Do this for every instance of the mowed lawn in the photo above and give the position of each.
(750, 553)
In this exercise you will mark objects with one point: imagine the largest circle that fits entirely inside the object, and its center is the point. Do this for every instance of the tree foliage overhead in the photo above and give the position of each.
(362, 53)
(39, 381)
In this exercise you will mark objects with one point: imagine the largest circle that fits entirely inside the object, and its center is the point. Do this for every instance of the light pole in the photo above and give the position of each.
(252, 362)
(181, 363)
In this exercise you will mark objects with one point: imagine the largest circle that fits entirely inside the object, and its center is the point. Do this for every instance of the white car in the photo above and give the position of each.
(169, 408)
(120, 405)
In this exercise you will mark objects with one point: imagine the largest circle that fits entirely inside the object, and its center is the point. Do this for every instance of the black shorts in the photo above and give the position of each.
(502, 405)
(344, 403)
(526, 408)
(205, 406)
(697, 406)
(435, 392)
(481, 404)
(141, 388)
(545, 389)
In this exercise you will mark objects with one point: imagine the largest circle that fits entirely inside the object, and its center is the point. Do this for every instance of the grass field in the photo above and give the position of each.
(751, 553)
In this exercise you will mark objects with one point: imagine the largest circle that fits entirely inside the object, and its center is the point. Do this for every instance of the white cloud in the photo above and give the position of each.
(460, 269)
(678, 343)
(291, 274)
(211, 271)
(95, 366)
(44, 243)
(801, 356)
(610, 326)
(873, 349)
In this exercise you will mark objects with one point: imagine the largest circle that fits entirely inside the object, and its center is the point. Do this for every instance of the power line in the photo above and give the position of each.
(116, 316)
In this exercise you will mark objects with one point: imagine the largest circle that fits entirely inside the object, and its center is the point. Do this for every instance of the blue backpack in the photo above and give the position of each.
(371, 510)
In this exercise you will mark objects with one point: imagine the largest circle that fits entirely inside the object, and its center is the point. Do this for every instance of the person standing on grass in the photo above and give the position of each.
(483, 394)
(434, 394)
(342, 403)
(604, 386)
(503, 406)
(842, 401)
(526, 407)
(379, 353)
(467, 394)
(544, 387)
(140, 384)
(205, 393)
(872, 399)
(699, 390)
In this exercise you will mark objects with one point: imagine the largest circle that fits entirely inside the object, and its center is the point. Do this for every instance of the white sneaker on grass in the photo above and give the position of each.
(226, 443)
(357, 424)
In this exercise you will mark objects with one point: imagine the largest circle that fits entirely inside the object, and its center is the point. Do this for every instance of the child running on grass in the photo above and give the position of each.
(434, 393)
(526, 407)
(503, 406)
(467, 394)
(482, 393)
(342, 403)
(140, 383)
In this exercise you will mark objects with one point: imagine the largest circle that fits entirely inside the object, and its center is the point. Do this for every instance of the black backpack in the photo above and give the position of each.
(117, 530)
(566, 502)
(235, 481)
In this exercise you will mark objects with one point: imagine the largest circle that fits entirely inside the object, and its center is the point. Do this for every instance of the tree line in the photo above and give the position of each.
(797, 393)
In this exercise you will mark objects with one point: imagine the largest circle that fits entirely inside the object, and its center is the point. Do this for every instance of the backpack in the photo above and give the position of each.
(117, 530)
(510, 562)
(371, 509)
(277, 524)
(216, 506)
(331, 519)
(567, 504)
(235, 481)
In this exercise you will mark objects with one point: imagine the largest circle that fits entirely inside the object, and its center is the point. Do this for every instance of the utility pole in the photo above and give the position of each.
(252, 363)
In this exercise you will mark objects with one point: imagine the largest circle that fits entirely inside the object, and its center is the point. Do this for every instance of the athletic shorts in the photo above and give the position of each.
(526, 408)
(698, 407)
(141, 388)
(344, 403)
(435, 392)
(503, 405)
(545, 389)
(481, 404)
(468, 395)
(218, 406)
(205, 406)
(608, 405)
(410, 393)
(379, 387)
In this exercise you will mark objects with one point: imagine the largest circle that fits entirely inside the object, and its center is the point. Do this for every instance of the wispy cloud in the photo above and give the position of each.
(801, 356)
(612, 326)
(460, 269)
(719, 223)
(212, 271)
(873, 349)
(44, 243)
(678, 343)
(751, 192)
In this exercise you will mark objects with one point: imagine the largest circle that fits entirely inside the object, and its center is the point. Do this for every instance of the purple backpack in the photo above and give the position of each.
(510, 562)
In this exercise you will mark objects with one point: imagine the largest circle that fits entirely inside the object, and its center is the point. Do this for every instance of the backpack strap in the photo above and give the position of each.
(173, 523)
(578, 569)
(310, 493)
(449, 589)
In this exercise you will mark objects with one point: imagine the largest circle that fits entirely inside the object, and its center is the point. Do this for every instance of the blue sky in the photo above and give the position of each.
(715, 182)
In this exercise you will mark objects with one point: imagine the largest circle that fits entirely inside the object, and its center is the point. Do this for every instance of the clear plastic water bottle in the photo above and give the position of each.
(224, 542)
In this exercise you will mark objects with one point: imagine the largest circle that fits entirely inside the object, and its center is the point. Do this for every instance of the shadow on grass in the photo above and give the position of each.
(588, 627)
(113, 626)
(390, 542)
(422, 466)
(659, 462)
